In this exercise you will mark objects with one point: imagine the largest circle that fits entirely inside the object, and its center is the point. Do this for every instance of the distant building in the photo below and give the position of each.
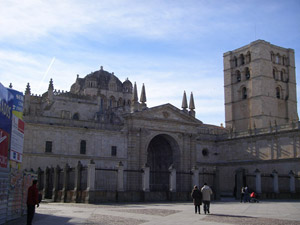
(103, 120)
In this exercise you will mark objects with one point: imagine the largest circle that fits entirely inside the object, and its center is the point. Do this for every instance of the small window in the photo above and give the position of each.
(235, 61)
(83, 147)
(113, 150)
(247, 71)
(278, 92)
(48, 146)
(205, 152)
(277, 59)
(274, 74)
(238, 76)
(244, 93)
(76, 116)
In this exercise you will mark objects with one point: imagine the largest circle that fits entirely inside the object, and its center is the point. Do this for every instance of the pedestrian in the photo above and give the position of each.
(242, 193)
(197, 198)
(246, 194)
(32, 200)
(206, 193)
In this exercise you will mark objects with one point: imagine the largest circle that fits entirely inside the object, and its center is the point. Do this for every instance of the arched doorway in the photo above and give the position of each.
(162, 152)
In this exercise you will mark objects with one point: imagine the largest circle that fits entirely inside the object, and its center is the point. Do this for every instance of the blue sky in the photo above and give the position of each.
(169, 45)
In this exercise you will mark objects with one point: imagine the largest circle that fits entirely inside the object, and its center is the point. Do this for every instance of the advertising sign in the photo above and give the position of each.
(6, 101)
(17, 127)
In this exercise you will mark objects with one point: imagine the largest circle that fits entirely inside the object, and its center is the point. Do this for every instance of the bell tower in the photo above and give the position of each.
(259, 86)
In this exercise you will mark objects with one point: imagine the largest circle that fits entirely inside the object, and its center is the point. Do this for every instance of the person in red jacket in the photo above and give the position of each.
(32, 200)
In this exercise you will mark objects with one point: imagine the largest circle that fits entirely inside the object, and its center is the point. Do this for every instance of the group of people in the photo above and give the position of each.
(246, 196)
(200, 196)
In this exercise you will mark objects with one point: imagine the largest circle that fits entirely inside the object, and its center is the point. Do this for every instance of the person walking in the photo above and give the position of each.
(197, 198)
(242, 193)
(32, 200)
(206, 193)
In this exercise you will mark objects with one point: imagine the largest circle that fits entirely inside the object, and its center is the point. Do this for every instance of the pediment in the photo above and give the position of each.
(166, 112)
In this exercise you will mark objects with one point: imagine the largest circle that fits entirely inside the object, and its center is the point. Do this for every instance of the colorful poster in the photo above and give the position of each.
(17, 127)
(6, 101)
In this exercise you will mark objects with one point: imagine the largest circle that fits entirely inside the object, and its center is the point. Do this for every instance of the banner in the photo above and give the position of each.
(6, 102)
(17, 126)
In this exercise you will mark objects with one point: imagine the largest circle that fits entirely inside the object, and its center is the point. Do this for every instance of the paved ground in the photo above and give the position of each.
(222, 213)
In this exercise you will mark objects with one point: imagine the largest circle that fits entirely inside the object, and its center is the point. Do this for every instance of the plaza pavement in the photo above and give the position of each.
(167, 213)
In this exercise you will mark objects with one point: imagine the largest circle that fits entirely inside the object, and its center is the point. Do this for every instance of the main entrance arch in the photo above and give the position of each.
(162, 152)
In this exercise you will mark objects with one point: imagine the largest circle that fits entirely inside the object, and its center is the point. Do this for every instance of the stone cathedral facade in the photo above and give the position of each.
(103, 124)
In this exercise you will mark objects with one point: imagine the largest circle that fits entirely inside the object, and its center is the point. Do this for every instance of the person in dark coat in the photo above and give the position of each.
(197, 198)
(32, 200)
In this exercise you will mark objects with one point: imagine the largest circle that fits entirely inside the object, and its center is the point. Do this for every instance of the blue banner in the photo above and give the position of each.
(6, 105)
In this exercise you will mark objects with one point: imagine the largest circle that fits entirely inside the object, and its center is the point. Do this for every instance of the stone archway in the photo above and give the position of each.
(162, 152)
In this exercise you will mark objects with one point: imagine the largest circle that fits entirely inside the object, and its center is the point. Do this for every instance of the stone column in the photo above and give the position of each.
(172, 179)
(46, 182)
(55, 184)
(257, 181)
(77, 182)
(217, 183)
(195, 176)
(65, 184)
(292, 182)
(40, 172)
(120, 176)
(275, 182)
(90, 189)
(146, 178)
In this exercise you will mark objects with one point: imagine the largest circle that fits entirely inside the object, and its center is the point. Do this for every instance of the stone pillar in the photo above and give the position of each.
(90, 189)
(77, 182)
(40, 182)
(46, 182)
(275, 182)
(258, 181)
(120, 176)
(65, 184)
(292, 182)
(172, 179)
(55, 183)
(217, 193)
(146, 178)
(195, 176)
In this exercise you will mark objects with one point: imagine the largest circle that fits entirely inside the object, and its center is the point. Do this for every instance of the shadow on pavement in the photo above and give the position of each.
(41, 219)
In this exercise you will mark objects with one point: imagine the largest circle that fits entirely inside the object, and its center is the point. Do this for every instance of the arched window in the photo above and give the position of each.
(238, 76)
(281, 75)
(272, 57)
(76, 116)
(275, 73)
(244, 93)
(242, 59)
(278, 92)
(283, 60)
(235, 61)
(277, 59)
(82, 147)
(247, 73)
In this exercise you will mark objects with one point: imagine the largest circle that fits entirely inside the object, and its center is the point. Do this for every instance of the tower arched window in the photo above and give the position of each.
(238, 76)
(281, 75)
(235, 61)
(278, 94)
(272, 57)
(247, 73)
(275, 73)
(277, 59)
(244, 93)
(242, 59)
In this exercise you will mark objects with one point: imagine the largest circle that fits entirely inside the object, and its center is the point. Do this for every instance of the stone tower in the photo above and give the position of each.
(260, 86)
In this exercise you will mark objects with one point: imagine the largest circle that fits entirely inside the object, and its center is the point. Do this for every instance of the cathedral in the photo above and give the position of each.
(100, 142)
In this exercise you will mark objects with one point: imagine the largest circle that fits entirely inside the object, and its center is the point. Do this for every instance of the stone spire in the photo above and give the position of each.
(28, 91)
(50, 90)
(192, 105)
(143, 97)
(134, 99)
(51, 85)
(184, 102)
